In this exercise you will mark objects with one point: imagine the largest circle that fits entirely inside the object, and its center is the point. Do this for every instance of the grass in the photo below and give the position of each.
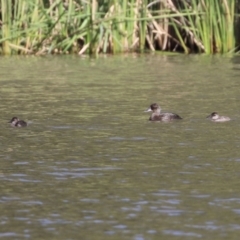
(93, 27)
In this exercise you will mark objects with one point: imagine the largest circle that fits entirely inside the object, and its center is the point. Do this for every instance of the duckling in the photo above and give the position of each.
(15, 122)
(217, 118)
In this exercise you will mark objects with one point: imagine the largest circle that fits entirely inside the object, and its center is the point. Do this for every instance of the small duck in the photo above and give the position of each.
(158, 116)
(216, 118)
(15, 122)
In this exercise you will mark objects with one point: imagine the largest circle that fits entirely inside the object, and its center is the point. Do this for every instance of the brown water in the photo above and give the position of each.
(90, 165)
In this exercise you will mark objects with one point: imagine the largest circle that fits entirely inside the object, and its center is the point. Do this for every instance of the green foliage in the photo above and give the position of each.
(91, 26)
(211, 27)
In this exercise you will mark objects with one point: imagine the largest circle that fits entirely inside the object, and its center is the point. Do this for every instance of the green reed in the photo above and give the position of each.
(212, 26)
(91, 26)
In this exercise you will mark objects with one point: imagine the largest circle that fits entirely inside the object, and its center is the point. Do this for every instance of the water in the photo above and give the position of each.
(90, 165)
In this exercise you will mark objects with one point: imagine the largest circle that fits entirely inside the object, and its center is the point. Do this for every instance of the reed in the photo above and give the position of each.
(91, 26)
(212, 25)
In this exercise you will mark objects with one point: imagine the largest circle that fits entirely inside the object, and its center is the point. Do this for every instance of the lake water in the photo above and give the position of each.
(91, 166)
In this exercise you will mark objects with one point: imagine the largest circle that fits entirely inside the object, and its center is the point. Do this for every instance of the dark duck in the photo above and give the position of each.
(158, 116)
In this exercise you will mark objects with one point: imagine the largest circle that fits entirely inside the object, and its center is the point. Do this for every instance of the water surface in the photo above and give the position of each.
(91, 166)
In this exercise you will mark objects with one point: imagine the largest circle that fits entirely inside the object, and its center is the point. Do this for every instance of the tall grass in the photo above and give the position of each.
(211, 27)
(91, 26)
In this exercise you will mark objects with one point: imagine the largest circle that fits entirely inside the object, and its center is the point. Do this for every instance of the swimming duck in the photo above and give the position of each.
(158, 116)
(15, 122)
(216, 118)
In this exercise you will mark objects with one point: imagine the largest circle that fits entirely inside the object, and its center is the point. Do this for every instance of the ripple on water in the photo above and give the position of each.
(120, 226)
(167, 193)
(237, 211)
(90, 200)
(171, 212)
(46, 222)
(181, 233)
(62, 127)
(21, 163)
(117, 138)
(32, 203)
(9, 234)
(138, 138)
(64, 173)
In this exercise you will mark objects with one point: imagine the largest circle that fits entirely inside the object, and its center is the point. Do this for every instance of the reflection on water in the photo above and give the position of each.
(91, 166)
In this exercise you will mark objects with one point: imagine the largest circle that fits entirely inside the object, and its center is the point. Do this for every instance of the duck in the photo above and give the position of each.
(158, 116)
(217, 118)
(16, 122)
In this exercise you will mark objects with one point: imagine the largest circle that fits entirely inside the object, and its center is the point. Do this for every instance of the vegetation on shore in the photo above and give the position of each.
(92, 27)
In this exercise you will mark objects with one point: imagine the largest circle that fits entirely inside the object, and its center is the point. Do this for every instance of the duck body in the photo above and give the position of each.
(217, 118)
(15, 122)
(158, 116)
(164, 117)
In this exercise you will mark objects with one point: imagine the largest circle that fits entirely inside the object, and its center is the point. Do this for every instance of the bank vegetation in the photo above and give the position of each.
(114, 26)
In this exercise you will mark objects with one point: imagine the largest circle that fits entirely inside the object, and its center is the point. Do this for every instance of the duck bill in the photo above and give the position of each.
(148, 110)
(209, 116)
